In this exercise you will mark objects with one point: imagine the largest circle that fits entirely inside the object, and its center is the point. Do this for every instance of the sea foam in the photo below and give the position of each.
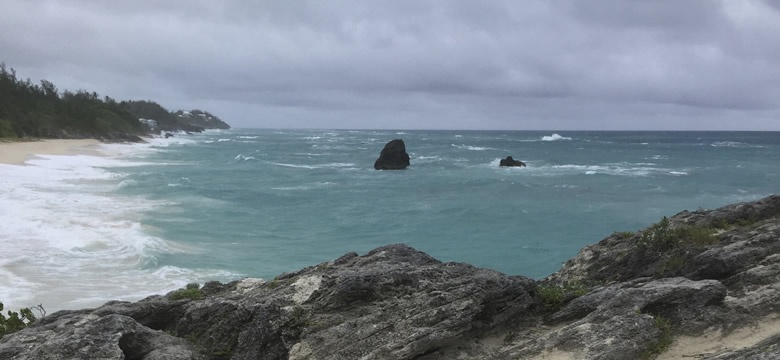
(70, 241)
(555, 137)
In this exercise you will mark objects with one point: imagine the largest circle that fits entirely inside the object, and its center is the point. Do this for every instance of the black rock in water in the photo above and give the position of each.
(393, 156)
(509, 161)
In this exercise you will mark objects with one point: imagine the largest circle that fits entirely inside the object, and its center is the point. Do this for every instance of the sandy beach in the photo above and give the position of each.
(16, 153)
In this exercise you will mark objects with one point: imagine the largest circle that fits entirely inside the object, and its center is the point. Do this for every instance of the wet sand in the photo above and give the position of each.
(17, 152)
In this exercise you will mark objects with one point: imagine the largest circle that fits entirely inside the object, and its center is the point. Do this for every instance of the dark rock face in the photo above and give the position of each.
(393, 303)
(393, 156)
(509, 161)
(623, 298)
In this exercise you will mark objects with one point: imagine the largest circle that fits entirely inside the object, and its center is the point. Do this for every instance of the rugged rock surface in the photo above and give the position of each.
(509, 161)
(393, 303)
(393, 156)
(627, 297)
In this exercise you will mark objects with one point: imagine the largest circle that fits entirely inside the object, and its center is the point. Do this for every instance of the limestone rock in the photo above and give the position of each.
(393, 303)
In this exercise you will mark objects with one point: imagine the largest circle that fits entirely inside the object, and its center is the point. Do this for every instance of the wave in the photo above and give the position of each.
(64, 261)
(555, 137)
(317, 166)
(242, 157)
(247, 137)
(658, 157)
(311, 154)
(615, 169)
(427, 159)
(734, 144)
(224, 140)
(318, 185)
(472, 148)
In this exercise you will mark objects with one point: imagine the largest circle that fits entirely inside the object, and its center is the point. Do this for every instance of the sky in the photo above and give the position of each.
(416, 64)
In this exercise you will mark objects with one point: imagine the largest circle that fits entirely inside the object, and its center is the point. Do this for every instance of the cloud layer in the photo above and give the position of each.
(567, 64)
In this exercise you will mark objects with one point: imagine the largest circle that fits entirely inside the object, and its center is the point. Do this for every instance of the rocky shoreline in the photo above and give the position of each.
(682, 288)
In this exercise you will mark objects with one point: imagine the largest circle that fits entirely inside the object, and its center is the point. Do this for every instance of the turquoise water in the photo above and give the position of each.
(262, 202)
(149, 218)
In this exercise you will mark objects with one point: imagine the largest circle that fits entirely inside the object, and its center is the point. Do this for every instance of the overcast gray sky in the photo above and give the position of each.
(415, 64)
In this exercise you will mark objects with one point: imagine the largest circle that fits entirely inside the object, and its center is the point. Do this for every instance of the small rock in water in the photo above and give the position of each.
(509, 161)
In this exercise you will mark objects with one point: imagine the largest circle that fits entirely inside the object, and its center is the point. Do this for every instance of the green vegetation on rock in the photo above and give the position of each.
(664, 340)
(15, 321)
(664, 237)
(191, 291)
(554, 296)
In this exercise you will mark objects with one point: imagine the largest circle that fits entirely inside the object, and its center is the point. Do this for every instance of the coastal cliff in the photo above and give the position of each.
(702, 284)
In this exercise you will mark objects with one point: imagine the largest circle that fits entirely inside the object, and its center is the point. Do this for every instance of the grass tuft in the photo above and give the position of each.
(191, 291)
(664, 341)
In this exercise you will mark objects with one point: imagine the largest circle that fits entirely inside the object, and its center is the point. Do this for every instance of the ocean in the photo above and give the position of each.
(76, 231)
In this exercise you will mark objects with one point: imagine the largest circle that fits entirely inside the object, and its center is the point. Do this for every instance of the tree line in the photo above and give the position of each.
(29, 110)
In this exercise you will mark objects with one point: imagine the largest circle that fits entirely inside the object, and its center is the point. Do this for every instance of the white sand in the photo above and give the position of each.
(16, 153)
(716, 342)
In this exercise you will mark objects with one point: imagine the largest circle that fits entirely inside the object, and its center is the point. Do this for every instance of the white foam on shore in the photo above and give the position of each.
(69, 241)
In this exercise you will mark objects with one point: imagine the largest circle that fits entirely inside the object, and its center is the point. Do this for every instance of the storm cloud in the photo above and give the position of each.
(567, 64)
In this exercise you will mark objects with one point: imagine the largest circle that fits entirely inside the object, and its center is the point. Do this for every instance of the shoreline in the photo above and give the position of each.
(19, 152)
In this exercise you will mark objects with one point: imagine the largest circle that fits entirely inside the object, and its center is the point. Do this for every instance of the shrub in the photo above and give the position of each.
(663, 237)
(191, 291)
(664, 341)
(671, 265)
(15, 321)
(6, 130)
(553, 297)
(623, 234)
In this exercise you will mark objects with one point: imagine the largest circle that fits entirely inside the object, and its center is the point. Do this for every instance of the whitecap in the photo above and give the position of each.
(472, 148)
(658, 157)
(555, 137)
(126, 183)
(734, 144)
(242, 157)
(317, 166)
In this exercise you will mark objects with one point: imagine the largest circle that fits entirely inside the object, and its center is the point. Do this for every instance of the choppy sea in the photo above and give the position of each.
(76, 231)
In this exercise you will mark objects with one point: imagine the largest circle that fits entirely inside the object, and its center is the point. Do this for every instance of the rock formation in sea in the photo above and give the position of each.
(694, 278)
(509, 161)
(393, 156)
